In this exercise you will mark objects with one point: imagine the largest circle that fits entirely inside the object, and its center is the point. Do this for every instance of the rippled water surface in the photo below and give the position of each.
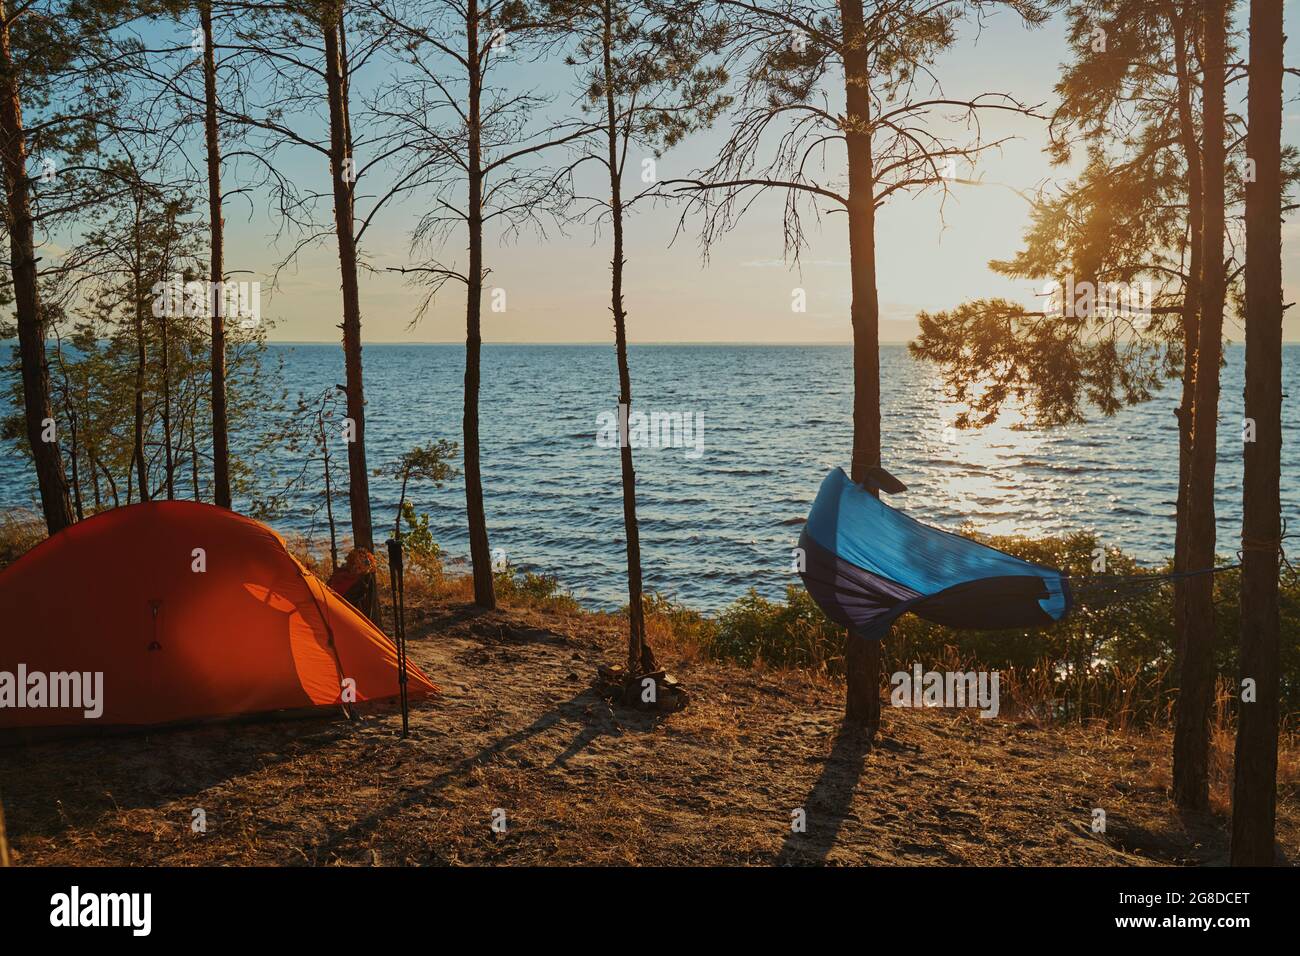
(776, 418)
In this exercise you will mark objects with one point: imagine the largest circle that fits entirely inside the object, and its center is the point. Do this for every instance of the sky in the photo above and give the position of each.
(931, 256)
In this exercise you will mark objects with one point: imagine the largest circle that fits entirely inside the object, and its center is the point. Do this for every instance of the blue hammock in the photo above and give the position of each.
(867, 563)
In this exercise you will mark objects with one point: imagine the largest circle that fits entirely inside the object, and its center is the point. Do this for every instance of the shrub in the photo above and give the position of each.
(536, 590)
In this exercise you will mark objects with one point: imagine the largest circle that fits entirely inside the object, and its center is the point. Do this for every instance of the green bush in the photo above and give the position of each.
(417, 540)
(537, 589)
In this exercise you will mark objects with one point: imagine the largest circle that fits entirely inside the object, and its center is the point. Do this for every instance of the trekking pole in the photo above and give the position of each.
(401, 630)
(397, 582)
(4, 841)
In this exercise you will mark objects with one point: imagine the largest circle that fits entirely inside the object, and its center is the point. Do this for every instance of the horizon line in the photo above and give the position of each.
(602, 342)
(592, 342)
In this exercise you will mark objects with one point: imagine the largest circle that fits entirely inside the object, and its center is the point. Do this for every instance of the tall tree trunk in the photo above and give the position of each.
(164, 371)
(112, 485)
(138, 454)
(1196, 678)
(343, 175)
(862, 658)
(1190, 315)
(217, 269)
(94, 477)
(194, 461)
(640, 657)
(479, 552)
(1254, 790)
(37, 411)
(74, 438)
(74, 463)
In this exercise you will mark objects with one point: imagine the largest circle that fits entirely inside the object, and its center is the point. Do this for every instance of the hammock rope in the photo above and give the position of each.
(1265, 545)
(1081, 587)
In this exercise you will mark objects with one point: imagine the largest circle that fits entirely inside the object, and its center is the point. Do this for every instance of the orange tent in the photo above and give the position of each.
(172, 611)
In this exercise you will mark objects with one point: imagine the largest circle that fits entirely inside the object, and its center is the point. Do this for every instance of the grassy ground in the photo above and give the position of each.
(519, 729)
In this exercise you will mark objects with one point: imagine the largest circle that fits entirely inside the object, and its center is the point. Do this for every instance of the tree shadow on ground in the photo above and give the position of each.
(594, 716)
(830, 801)
(55, 784)
(470, 620)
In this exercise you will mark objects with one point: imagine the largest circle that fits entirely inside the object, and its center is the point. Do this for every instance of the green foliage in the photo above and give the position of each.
(429, 463)
(1122, 219)
(793, 634)
(113, 341)
(658, 73)
(1118, 224)
(417, 540)
(542, 590)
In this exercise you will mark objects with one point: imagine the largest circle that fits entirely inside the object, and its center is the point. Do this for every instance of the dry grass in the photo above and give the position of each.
(19, 533)
(520, 729)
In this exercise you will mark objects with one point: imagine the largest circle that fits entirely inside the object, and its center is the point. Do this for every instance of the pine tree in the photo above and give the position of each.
(1254, 791)
(645, 77)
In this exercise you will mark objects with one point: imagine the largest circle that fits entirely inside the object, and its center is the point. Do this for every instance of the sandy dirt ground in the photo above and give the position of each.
(520, 737)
